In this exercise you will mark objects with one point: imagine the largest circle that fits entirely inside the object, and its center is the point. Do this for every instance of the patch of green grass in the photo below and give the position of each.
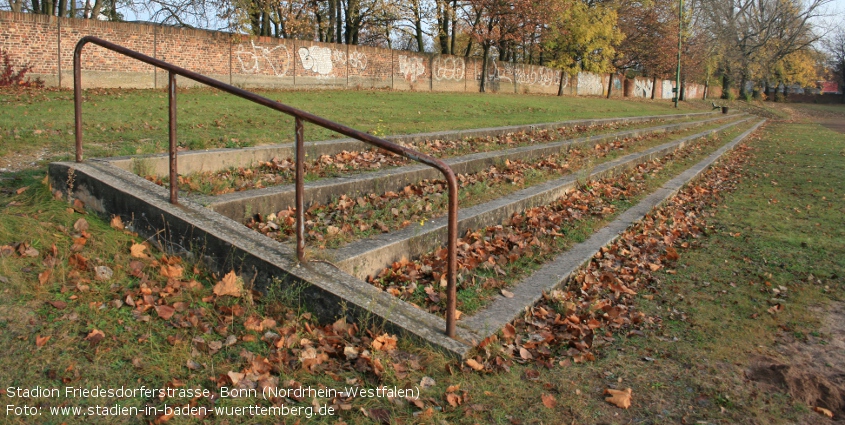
(126, 122)
(690, 379)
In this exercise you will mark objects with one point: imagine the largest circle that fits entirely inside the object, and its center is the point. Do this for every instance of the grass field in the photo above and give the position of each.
(124, 122)
(763, 284)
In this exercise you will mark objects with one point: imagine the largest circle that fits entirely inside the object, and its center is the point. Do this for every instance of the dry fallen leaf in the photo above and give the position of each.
(137, 250)
(172, 272)
(44, 276)
(81, 225)
(474, 364)
(621, 399)
(165, 311)
(41, 340)
(549, 401)
(117, 223)
(230, 285)
(384, 342)
(95, 336)
(823, 411)
(507, 294)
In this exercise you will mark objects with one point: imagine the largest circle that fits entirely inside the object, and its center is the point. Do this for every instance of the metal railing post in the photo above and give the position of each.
(300, 191)
(171, 98)
(452, 267)
(77, 100)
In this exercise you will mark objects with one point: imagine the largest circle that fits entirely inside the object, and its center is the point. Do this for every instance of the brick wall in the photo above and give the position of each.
(47, 43)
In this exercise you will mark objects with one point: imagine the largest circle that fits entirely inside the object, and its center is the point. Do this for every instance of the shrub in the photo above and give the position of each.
(10, 77)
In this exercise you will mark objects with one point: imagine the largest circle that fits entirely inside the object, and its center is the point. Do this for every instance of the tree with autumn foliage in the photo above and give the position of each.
(582, 37)
(650, 29)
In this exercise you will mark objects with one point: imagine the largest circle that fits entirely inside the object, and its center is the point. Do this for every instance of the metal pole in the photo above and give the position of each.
(300, 191)
(680, 29)
(452, 270)
(77, 100)
(171, 98)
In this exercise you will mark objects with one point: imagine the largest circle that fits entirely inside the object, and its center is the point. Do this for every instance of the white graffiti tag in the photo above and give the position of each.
(449, 68)
(643, 88)
(317, 59)
(411, 67)
(277, 59)
(358, 60)
(667, 90)
(590, 84)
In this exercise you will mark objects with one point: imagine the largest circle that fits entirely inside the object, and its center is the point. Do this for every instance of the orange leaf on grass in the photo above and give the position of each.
(41, 340)
(44, 276)
(230, 285)
(549, 401)
(621, 399)
(165, 311)
(474, 364)
(137, 251)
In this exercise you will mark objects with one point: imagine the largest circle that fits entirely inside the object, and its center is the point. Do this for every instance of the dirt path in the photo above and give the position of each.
(811, 369)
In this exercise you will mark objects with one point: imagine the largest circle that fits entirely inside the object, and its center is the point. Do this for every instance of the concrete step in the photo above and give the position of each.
(225, 244)
(221, 159)
(239, 205)
(556, 273)
(365, 257)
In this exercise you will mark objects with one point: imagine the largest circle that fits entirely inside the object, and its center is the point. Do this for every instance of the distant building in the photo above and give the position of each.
(829, 87)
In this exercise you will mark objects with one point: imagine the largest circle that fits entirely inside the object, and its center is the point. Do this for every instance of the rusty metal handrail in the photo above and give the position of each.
(299, 117)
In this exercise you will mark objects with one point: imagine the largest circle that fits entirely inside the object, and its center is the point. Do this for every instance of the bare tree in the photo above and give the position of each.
(757, 33)
(835, 47)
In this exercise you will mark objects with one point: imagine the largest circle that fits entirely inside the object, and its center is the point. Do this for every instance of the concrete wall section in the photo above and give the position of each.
(47, 43)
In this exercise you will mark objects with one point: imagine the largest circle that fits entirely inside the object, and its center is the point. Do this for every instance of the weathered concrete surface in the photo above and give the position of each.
(366, 257)
(225, 245)
(238, 205)
(220, 159)
(556, 273)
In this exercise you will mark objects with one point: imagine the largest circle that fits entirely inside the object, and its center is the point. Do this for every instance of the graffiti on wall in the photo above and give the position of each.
(590, 84)
(317, 59)
(667, 90)
(256, 58)
(643, 88)
(448, 68)
(495, 76)
(534, 75)
(411, 67)
(357, 60)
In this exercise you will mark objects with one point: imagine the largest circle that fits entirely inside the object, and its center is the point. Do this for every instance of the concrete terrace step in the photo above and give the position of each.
(237, 205)
(225, 244)
(555, 273)
(366, 257)
(221, 159)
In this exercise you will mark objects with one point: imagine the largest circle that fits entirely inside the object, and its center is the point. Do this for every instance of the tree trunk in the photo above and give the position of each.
(332, 22)
(454, 25)
(743, 79)
(338, 21)
(443, 23)
(653, 86)
(726, 85)
(560, 85)
(419, 29)
(609, 85)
